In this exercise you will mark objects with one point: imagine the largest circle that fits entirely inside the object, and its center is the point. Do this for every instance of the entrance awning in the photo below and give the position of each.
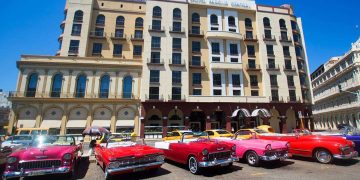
(125, 123)
(75, 124)
(101, 123)
(23, 123)
(261, 112)
(244, 111)
(51, 124)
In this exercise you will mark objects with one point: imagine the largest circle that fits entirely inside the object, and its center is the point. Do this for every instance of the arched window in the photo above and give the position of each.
(120, 21)
(214, 19)
(139, 22)
(176, 13)
(127, 87)
(282, 24)
(266, 22)
(31, 85)
(104, 86)
(248, 23)
(100, 20)
(80, 86)
(78, 16)
(195, 18)
(231, 21)
(157, 11)
(56, 85)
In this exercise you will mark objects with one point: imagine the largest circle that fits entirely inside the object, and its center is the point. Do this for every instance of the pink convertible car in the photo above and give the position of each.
(256, 150)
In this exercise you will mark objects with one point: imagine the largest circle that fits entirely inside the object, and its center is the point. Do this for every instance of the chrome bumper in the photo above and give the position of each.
(274, 157)
(133, 167)
(347, 156)
(222, 162)
(40, 172)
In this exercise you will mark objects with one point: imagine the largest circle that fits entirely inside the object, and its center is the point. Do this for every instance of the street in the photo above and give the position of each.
(298, 168)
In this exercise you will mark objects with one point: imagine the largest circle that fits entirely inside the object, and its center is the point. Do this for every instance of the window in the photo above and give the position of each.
(154, 93)
(249, 35)
(104, 86)
(137, 50)
(74, 46)
(302, 80)
(286, 51)
(298, 51)
(293, 25)
(120, 21)
(156, 11)
(197, 92)
(139, 22)
(176, 43)
(216, 80)
(282, 24)
(292, 95)
(252, 64)
(266, 22)
(214, 19)
(80, 86)
(195, 18)
(296, 38)
(78, 16)
(236, 80)
(31, 85)
(76, 30)
(217, 92)
(270, 50)
(176, 13)
(248, 23)
(234, 50)
(127, 87)
(288, 64)
(271, 63)
(138, 34)
(100, 20)
(176, 77)
(119, 33)
(117, 50)
(231, 21)
(176, 27)
(290, 81)
(254, 93)
(97, 48)
(155, 57)
(215, 48)
(56, 85)
(154, 76)
(155, 42)
(176, 93)
(195, 30)
(274, 95)
(251, 50)
(253, 80)
(196, 78)
(284, 36)
(99, 32)
(236, 92)
(196, 61)
(268, 34)
(196, 46)
(156, 25)
(176, 58)
(273, 80)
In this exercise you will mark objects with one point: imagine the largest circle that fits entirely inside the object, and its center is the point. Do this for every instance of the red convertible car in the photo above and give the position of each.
(46, 155)
(121, 156)
(323, 148)
(198, 152)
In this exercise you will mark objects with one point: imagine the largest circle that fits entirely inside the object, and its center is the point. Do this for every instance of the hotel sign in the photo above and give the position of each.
(243, 4)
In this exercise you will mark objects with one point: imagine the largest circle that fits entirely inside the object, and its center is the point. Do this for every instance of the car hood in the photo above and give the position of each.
(134, 151)
(50, 152)
(261, 143)
(212, 146)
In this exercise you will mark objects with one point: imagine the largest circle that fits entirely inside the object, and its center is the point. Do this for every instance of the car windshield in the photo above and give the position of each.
(259, 131)
(24, 132)
(20, 138)
(42, 141)
(122, 141)
(196, 136)
(350, 131)
(222, 132)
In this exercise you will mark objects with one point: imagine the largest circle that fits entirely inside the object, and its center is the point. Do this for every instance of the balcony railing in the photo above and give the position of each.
(273, 67)
(176, 97)
(137, 38)
(289, 68)
(77, 95)
(285, 39)
(177, 29)
(250, 38)
(155, 61)
(199, 65)
(255, 67)
(173, 62)
(73, 52)
(269, 38)
(276, 99)
(156, 28)
(118, 36)
(196, 33)
(154, 97)
(97, 34)
(293, 99)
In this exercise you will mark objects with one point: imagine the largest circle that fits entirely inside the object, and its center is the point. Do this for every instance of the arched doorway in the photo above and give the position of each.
(153, 124)
(176, 120)
(258, 116)
(238, 120)
(291, 120)
(197, 121)
(217, 120)
(274, 120)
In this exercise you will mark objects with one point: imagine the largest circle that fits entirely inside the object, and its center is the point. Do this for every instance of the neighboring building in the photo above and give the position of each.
(330, 106)
(4, 109)
(190, 64)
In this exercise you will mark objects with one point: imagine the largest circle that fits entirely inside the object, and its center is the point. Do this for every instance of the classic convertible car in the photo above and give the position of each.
(254, 150)
(323, 148)
(119, 157)
(198, 152)
(17, 141)
(46, 155)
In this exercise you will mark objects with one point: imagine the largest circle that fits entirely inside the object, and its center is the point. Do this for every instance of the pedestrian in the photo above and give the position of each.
(92, 146)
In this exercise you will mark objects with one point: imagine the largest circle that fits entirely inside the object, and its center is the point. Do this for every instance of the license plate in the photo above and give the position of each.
(37, 173)
(139, 169)
(225, 164)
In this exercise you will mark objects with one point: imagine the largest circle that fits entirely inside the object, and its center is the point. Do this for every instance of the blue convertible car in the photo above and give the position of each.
(350, 133)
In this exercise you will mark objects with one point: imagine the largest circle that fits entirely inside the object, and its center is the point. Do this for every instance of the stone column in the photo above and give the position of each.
(186, 122)
(39, 117)
(68, 91)
(208, 123)
(44, 94)
(113, 119)
(64, 120)
(20, 78)
(283, 126)
(93, 85)
(90, 117)
(116, 85)
(228, 123)
(165, 124)
(13, 120)
(142, 127)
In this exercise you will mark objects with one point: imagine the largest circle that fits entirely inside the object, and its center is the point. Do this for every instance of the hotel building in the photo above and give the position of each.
(332, 107)
(154, 66)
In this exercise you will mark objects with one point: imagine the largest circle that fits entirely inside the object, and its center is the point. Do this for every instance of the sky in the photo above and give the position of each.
(32, 27)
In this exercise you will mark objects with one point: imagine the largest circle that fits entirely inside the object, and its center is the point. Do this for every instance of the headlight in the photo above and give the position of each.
(288, 145)
(160, 158)
(205, 152)
(11, 160)
(67, 156)
(353, 144)
(113, 165)
(268, 147)
(233, 148)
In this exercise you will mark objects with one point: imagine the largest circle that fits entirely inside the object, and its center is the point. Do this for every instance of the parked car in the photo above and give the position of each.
(4, 153)
(199, 152)
(119, 157)
(249, 133)
(266, 128)
(342, 126)
(254, 150)
(176, 135)
(17, 141)
(219, 133)
(323, 148)
(350, 133)
(46, 155)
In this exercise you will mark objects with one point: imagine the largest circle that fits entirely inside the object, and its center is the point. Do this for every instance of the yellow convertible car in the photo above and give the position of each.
(176, 135)
(249, 133)
(216, 133)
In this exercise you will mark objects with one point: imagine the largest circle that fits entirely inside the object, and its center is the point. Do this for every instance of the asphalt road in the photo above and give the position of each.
(299, 168)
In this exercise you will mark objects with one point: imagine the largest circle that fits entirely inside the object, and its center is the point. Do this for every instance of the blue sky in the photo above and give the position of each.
(32, 27)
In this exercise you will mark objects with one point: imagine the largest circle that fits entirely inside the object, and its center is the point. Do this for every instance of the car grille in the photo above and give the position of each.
(276, 153)
(219, 155)
(143, 160)
(40, 164)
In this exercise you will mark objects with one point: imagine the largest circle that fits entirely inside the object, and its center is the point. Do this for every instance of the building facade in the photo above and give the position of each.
(332, 107)
(179, 64)
(4, 109)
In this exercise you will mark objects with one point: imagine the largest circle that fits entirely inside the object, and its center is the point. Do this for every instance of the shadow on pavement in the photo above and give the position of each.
(143, 175)
(271, 164)
(337, 162)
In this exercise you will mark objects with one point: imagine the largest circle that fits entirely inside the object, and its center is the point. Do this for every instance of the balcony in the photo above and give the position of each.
(270, 53)
(224, 35)
(250, 38)
(275, 99)
(290, 68)
(115, 36)
(254, 67)
(302, 70)
(177, 97)
(178, 30)
(97, 34)
(159, 29)
(285, 39)
(287, 56)
(197, 65)
(299, 57)
(155, 62)
(73, 52)
(61, 95)
(196, 33)
(137, 38)
(235, 99)
(154, 97)
(297, 43)
(269, 38)
(304, 86)
(178, 63)
(273, 67)
(226, 65)
(292, 99)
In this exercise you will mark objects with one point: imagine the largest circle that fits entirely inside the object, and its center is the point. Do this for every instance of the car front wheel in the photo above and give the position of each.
(323, 156)
(193, 165)
(252, 158)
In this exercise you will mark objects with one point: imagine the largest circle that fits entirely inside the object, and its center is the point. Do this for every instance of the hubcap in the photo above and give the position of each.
(251, 158)
(323, 156)
(193, 165)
